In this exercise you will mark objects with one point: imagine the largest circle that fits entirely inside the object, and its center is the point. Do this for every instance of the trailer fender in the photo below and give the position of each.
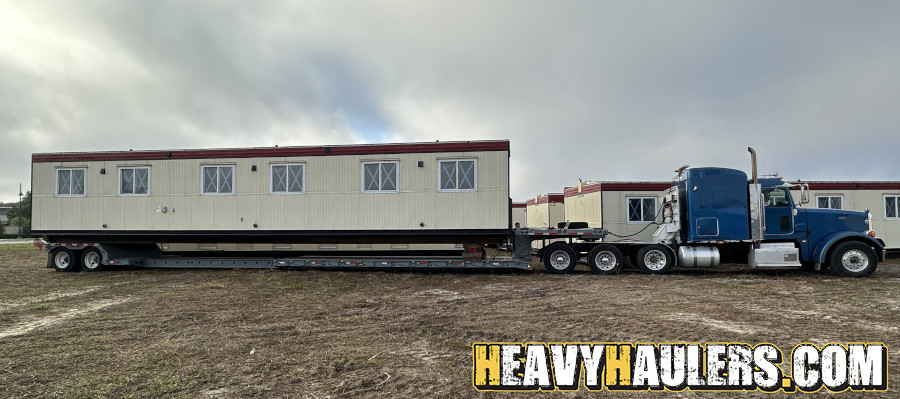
(821, 251)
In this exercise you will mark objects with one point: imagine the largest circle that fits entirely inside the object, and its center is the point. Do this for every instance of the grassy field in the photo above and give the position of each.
(333, 334)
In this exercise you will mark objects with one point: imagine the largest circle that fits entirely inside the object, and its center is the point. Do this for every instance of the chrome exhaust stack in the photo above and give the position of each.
(753, 164)
(756, 204)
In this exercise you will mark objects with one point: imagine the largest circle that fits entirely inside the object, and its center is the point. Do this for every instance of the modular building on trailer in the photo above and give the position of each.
(442, 192)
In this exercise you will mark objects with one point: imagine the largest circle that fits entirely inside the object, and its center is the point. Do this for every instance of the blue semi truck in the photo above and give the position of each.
(711, 216)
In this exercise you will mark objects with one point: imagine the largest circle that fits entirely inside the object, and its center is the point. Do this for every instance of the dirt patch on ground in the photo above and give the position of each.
(4, 305)
(335, 334)
(47, 321)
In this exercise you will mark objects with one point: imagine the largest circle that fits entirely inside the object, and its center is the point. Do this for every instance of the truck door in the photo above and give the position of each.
(779, 212)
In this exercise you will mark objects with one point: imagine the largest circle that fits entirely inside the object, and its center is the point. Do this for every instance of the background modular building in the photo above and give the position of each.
(545, 210)
(623, 208)
(442, 192)
(520, 214)
(882, 199)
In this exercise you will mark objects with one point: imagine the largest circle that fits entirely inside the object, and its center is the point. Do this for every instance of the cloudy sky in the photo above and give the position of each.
(592, 90)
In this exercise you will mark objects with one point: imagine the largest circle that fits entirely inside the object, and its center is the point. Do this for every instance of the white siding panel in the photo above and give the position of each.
(333, 199)
(615, 215)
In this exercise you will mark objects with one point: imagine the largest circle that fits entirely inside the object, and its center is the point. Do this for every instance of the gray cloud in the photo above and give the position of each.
(592, 90)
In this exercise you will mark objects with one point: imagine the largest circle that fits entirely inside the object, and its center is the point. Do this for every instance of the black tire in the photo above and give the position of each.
(654, 259)
(92, 260)
(560, 259)
(852, 259)
(605, 259)
(64, 260)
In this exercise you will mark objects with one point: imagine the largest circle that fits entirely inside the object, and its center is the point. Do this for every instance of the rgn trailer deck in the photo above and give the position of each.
(710, 215)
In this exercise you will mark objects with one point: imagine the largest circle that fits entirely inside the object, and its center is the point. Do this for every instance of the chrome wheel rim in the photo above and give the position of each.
(92, 260)
(559, 260)
(854, 260)
(62, 260)
(655, 260)
(605, 260)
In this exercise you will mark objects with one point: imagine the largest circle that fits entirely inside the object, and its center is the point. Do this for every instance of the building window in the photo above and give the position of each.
(218, 180)
(70, 182)
(288, 179)
(892, 206)
(641, 209)
(134, 181)
(379, 177)
(830, 202)
(457, 175)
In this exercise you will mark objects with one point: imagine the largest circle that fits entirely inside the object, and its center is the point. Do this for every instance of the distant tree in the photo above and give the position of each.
(20, 215)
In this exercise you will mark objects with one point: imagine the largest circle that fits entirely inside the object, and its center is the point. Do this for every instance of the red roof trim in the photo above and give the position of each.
(618, 186)
(546, 198)
(364, 149)
(839, 185)
(519, 204)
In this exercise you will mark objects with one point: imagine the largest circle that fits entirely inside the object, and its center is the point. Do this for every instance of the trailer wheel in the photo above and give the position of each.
(853, 259)
(92, 260)
(654, 259)
(605, 259)
(560, 259)
(64, 260)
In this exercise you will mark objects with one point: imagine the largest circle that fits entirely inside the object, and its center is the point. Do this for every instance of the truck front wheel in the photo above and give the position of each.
(64, 260)
(605, 259)
(560, 259)
(654, 259)
(853, 259)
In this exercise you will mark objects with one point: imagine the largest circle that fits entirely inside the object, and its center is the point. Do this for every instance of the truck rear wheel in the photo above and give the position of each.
(64, 260)
(92, 260)
(605, 259)
(560, 259)
(654, 259)
(853, 259)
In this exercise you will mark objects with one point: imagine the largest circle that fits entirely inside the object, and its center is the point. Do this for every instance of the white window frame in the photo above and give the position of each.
(133, 194)
(896, 199)
(287, 183)
(362, 183)
(642, 198)
(83, 185)
(830, 200)
(203, 176)
(458, 190)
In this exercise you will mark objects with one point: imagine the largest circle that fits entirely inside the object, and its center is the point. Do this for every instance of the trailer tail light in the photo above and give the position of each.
(458, 263)
(315, 263)
(421, 263)
(384, 263)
